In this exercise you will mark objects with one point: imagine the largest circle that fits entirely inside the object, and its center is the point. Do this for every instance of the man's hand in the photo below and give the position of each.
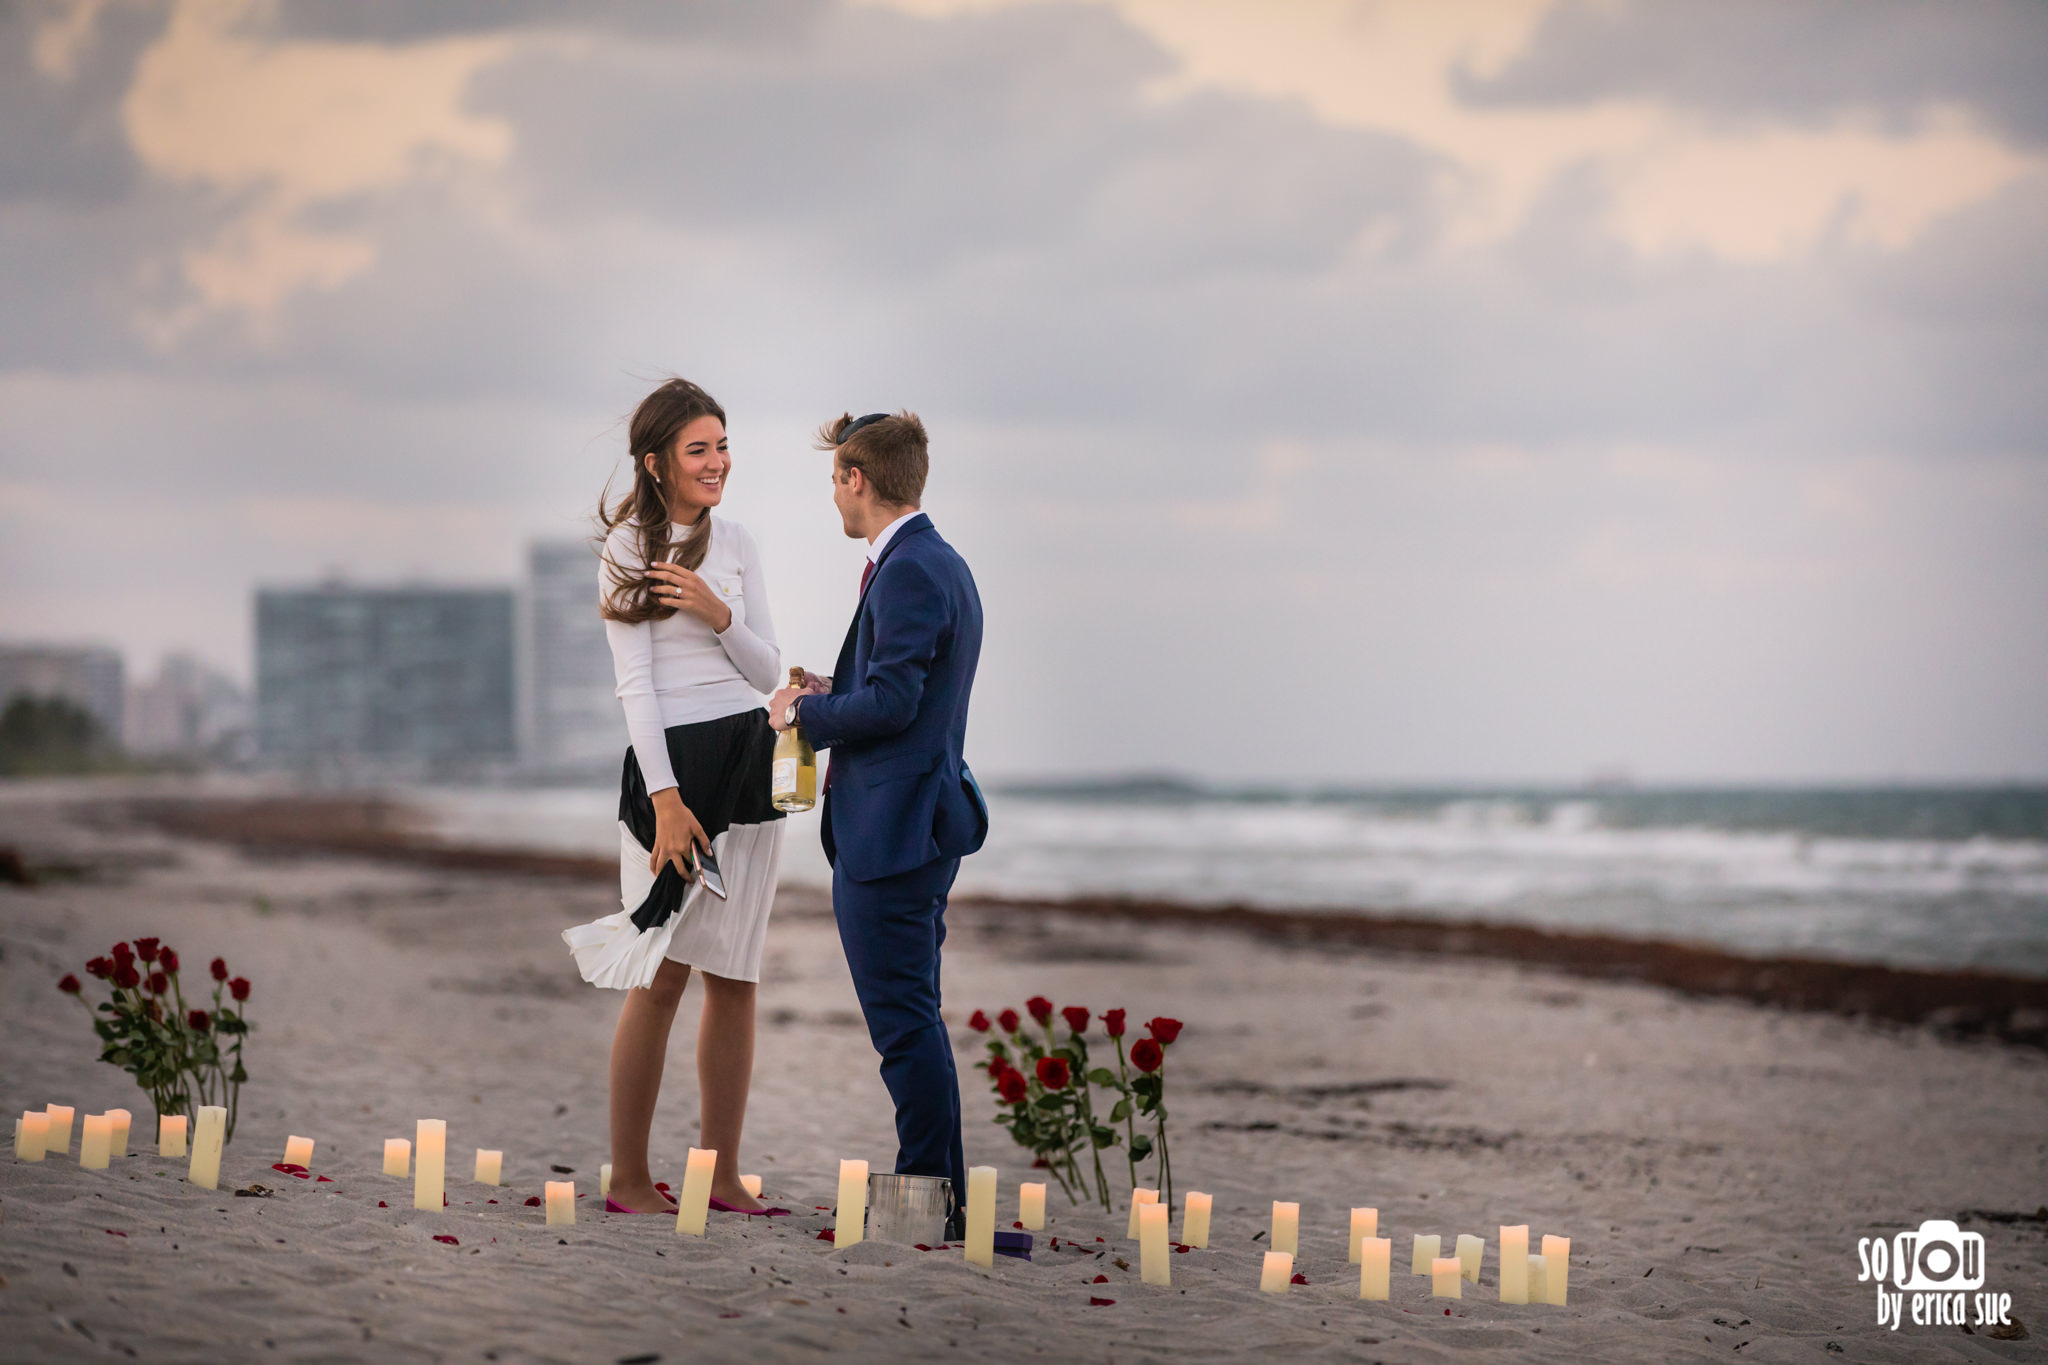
(779, 703)
(678, 587)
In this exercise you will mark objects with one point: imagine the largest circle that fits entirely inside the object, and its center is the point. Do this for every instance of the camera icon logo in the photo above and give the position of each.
(1938, 1257)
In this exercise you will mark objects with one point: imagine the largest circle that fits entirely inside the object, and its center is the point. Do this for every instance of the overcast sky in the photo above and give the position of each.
(1320, 391)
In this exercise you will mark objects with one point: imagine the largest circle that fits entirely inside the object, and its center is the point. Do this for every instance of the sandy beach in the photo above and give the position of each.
(1713, 1161)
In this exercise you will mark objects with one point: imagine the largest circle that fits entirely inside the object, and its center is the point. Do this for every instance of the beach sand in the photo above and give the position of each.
(1713, 1162)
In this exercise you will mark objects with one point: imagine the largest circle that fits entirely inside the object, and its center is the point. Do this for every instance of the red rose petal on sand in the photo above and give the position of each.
(1300, 1278)
(444, 1237)
(661, 1185)
(1094, 1302)
(328, 1178)
(1100, 1279)
(826, 1235)
(382, 1205)
(490, 1201)
(289, 1168)
(115, 1232)
(920, 1246)
(533, 1201)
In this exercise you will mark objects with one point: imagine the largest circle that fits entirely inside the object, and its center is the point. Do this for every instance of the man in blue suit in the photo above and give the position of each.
(901, 807)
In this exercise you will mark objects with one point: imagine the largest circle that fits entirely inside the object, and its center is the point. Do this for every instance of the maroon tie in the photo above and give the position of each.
(866, 574)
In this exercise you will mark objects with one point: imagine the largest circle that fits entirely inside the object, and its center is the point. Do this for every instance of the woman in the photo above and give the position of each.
(693, 644)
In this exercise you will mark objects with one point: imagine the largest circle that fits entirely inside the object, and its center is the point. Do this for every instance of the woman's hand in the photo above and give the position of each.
(676, 834)
(817, 682)
(681, 588)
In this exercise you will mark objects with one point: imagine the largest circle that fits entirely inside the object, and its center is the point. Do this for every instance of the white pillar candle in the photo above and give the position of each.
(298, 1151)
(170, 1134)
(95, 1142)
(1194, 1220)
(1286, 1227)
(398, 1157)
(693, 1200)
(209, 1135)
(489, 1166)
(31, 1136)
(1155, 1259)
(122, 1119)
(429, 1162)
(59, 1140)
(1139, 1198)
(752, 1185)
(561, 1202)
(1031, 1205)
(1445, 1275)
(981, 1215)
(1426, 1249)
(1538, 1291)
(1471, 1251)
(1514, 1263)
(1364, 1223)
(604, 1179)
(1375, 1267)
(1277, 1273)
(1557, 1268)
(850, 1219)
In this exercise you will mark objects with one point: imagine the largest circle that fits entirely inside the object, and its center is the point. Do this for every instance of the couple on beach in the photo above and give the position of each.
(685, 606)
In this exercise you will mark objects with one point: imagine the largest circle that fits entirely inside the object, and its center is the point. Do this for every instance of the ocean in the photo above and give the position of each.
(1932, 877)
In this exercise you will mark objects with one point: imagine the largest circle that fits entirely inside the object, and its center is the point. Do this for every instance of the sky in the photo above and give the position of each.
(1321, 391)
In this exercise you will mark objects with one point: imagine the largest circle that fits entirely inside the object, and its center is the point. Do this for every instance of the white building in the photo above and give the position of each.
(191, 709)
(571, 724)
(88, 676)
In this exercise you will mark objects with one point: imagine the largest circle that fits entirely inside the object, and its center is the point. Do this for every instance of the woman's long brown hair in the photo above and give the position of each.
(656, 423)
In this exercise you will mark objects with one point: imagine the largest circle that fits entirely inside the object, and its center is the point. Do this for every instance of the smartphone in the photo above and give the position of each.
(706, 866)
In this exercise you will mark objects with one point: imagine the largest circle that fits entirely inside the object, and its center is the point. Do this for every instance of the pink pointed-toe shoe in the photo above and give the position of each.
(724, 1207)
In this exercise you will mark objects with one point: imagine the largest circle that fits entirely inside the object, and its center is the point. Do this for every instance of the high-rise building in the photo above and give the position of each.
(190, 709)
(88, 676)
(385, 681)
(571, 722)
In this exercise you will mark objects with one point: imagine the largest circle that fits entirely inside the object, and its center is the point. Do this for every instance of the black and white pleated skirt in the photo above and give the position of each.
(722, 774)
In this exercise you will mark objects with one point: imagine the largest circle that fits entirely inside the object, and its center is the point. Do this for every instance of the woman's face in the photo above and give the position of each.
(695, 476)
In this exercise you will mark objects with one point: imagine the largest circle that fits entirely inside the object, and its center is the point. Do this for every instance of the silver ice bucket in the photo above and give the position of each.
(910, 1209)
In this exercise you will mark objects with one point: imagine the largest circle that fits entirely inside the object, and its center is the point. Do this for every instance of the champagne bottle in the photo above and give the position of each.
(793, 785)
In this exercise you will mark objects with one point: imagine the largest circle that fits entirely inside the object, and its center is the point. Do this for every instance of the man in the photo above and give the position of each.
(901, 807)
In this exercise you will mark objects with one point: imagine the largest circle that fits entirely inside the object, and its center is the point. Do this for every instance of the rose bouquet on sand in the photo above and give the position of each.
(1044, 1089)
(181, 1056)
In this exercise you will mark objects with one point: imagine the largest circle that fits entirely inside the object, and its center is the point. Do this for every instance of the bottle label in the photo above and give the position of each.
(784, 775)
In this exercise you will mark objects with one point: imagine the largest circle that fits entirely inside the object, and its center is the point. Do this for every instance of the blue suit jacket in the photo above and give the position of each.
(901, 794)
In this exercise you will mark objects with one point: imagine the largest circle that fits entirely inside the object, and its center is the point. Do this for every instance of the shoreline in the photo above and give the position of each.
(1957, 1004)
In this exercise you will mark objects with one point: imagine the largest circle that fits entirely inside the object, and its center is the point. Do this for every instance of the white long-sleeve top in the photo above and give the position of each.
(678, 671)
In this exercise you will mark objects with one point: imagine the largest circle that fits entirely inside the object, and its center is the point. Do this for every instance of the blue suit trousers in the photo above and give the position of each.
(892, 929)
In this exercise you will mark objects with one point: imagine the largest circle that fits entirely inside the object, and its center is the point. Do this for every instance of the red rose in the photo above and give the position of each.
(1012, 1086)
(1052, 1073)
(1076, 1017)
(126, 977)
(1040, 1007)
(1009, 1020)
(100, 967)
(220, 969)
(239, 988)
(978, 1022)
(197, 1019)
(122, 953)
(70, 985)
(1113, 1022)
(167, 960)
(145, 948)
(1164, 1029)
(1146, 1055)
(158, 983)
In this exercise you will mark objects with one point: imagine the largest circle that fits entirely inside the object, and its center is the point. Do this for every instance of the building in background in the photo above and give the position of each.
(191, 710)
(571, 724)
(89, 676)
(375, 683)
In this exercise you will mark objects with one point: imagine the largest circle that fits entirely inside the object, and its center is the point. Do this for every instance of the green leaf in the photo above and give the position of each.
(1104, 1137)
(1148, 1087)
(1051, 1100)
(237, 1076)
(1102, 1075)
(1141, 1147)
(1121, 1112)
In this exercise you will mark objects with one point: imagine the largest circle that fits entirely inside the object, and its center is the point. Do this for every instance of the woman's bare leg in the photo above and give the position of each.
(725, 1071)
(639, 1051)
